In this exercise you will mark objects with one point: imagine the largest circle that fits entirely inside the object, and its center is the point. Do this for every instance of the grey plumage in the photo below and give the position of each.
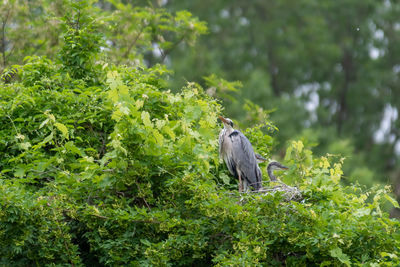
(274, 166)
(236, 150)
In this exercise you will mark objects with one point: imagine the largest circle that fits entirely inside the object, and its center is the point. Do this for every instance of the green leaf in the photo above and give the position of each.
(159, 138)
(390, 255)
(25, 145)
(288, 153)
(43, 123)
(113, 80)
(146, 119)
(193, 112)
(70, 146)
(169, 131)
(325, 263)
(139, 104)
(362, 212)
(117, 115)
(393, 201)
(298, 145)
(225, 178)
(113, 95)
(160, 124)
(145, 242)
(20, 172)
(123, 90)
(343, 258)
(63, 129)
(48, 138)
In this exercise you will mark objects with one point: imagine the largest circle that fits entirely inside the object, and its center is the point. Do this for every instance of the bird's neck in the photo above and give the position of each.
(271, 173)
(228, 130)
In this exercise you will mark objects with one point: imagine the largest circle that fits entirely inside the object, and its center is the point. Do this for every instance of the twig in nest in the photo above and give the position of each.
(290, 193)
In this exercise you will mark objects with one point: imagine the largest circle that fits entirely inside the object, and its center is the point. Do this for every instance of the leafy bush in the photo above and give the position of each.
(121, 171)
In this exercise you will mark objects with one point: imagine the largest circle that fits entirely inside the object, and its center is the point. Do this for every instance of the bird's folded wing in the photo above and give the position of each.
(243, 155)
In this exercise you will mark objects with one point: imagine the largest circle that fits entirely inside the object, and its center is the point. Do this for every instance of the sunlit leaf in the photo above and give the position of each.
(392, 201)
(146, 119)
(63, 129)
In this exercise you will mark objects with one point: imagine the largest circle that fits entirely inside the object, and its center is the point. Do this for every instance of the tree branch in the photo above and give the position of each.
(128, 51)
(165, 54)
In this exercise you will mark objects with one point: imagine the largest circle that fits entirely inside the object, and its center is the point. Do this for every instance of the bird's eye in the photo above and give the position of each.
(231, 123)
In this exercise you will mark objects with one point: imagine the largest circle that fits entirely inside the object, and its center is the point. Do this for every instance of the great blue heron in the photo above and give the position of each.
(274, 165)
(236, 150)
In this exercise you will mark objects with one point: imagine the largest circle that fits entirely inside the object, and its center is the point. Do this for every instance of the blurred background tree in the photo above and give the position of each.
(326, 72)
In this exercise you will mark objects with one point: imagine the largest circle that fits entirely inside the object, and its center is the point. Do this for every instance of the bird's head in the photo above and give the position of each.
(259, 158)
(276, 166)
(228, 123)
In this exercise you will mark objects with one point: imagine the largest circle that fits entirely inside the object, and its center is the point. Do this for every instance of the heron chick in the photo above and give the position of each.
(238, 154)
(274, 165)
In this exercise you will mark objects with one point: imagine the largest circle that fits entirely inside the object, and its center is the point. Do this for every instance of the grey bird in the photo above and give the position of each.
(274, 165)
(238, 154)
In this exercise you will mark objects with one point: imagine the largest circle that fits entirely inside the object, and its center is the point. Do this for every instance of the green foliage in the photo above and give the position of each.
(221, 87)
(34, 229)
(81, 42)
(137, 33)
(130, 34)
(28, 28)
(117, 169)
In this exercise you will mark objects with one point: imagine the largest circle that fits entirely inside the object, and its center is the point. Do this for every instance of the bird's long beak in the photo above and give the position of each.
(284, 168)
(260, 158)
(223, 119)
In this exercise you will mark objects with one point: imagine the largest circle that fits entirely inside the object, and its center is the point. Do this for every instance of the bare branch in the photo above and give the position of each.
(128, 51)
(165, 54)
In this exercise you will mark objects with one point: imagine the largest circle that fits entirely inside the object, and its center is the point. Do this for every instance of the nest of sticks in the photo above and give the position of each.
(289, 193)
